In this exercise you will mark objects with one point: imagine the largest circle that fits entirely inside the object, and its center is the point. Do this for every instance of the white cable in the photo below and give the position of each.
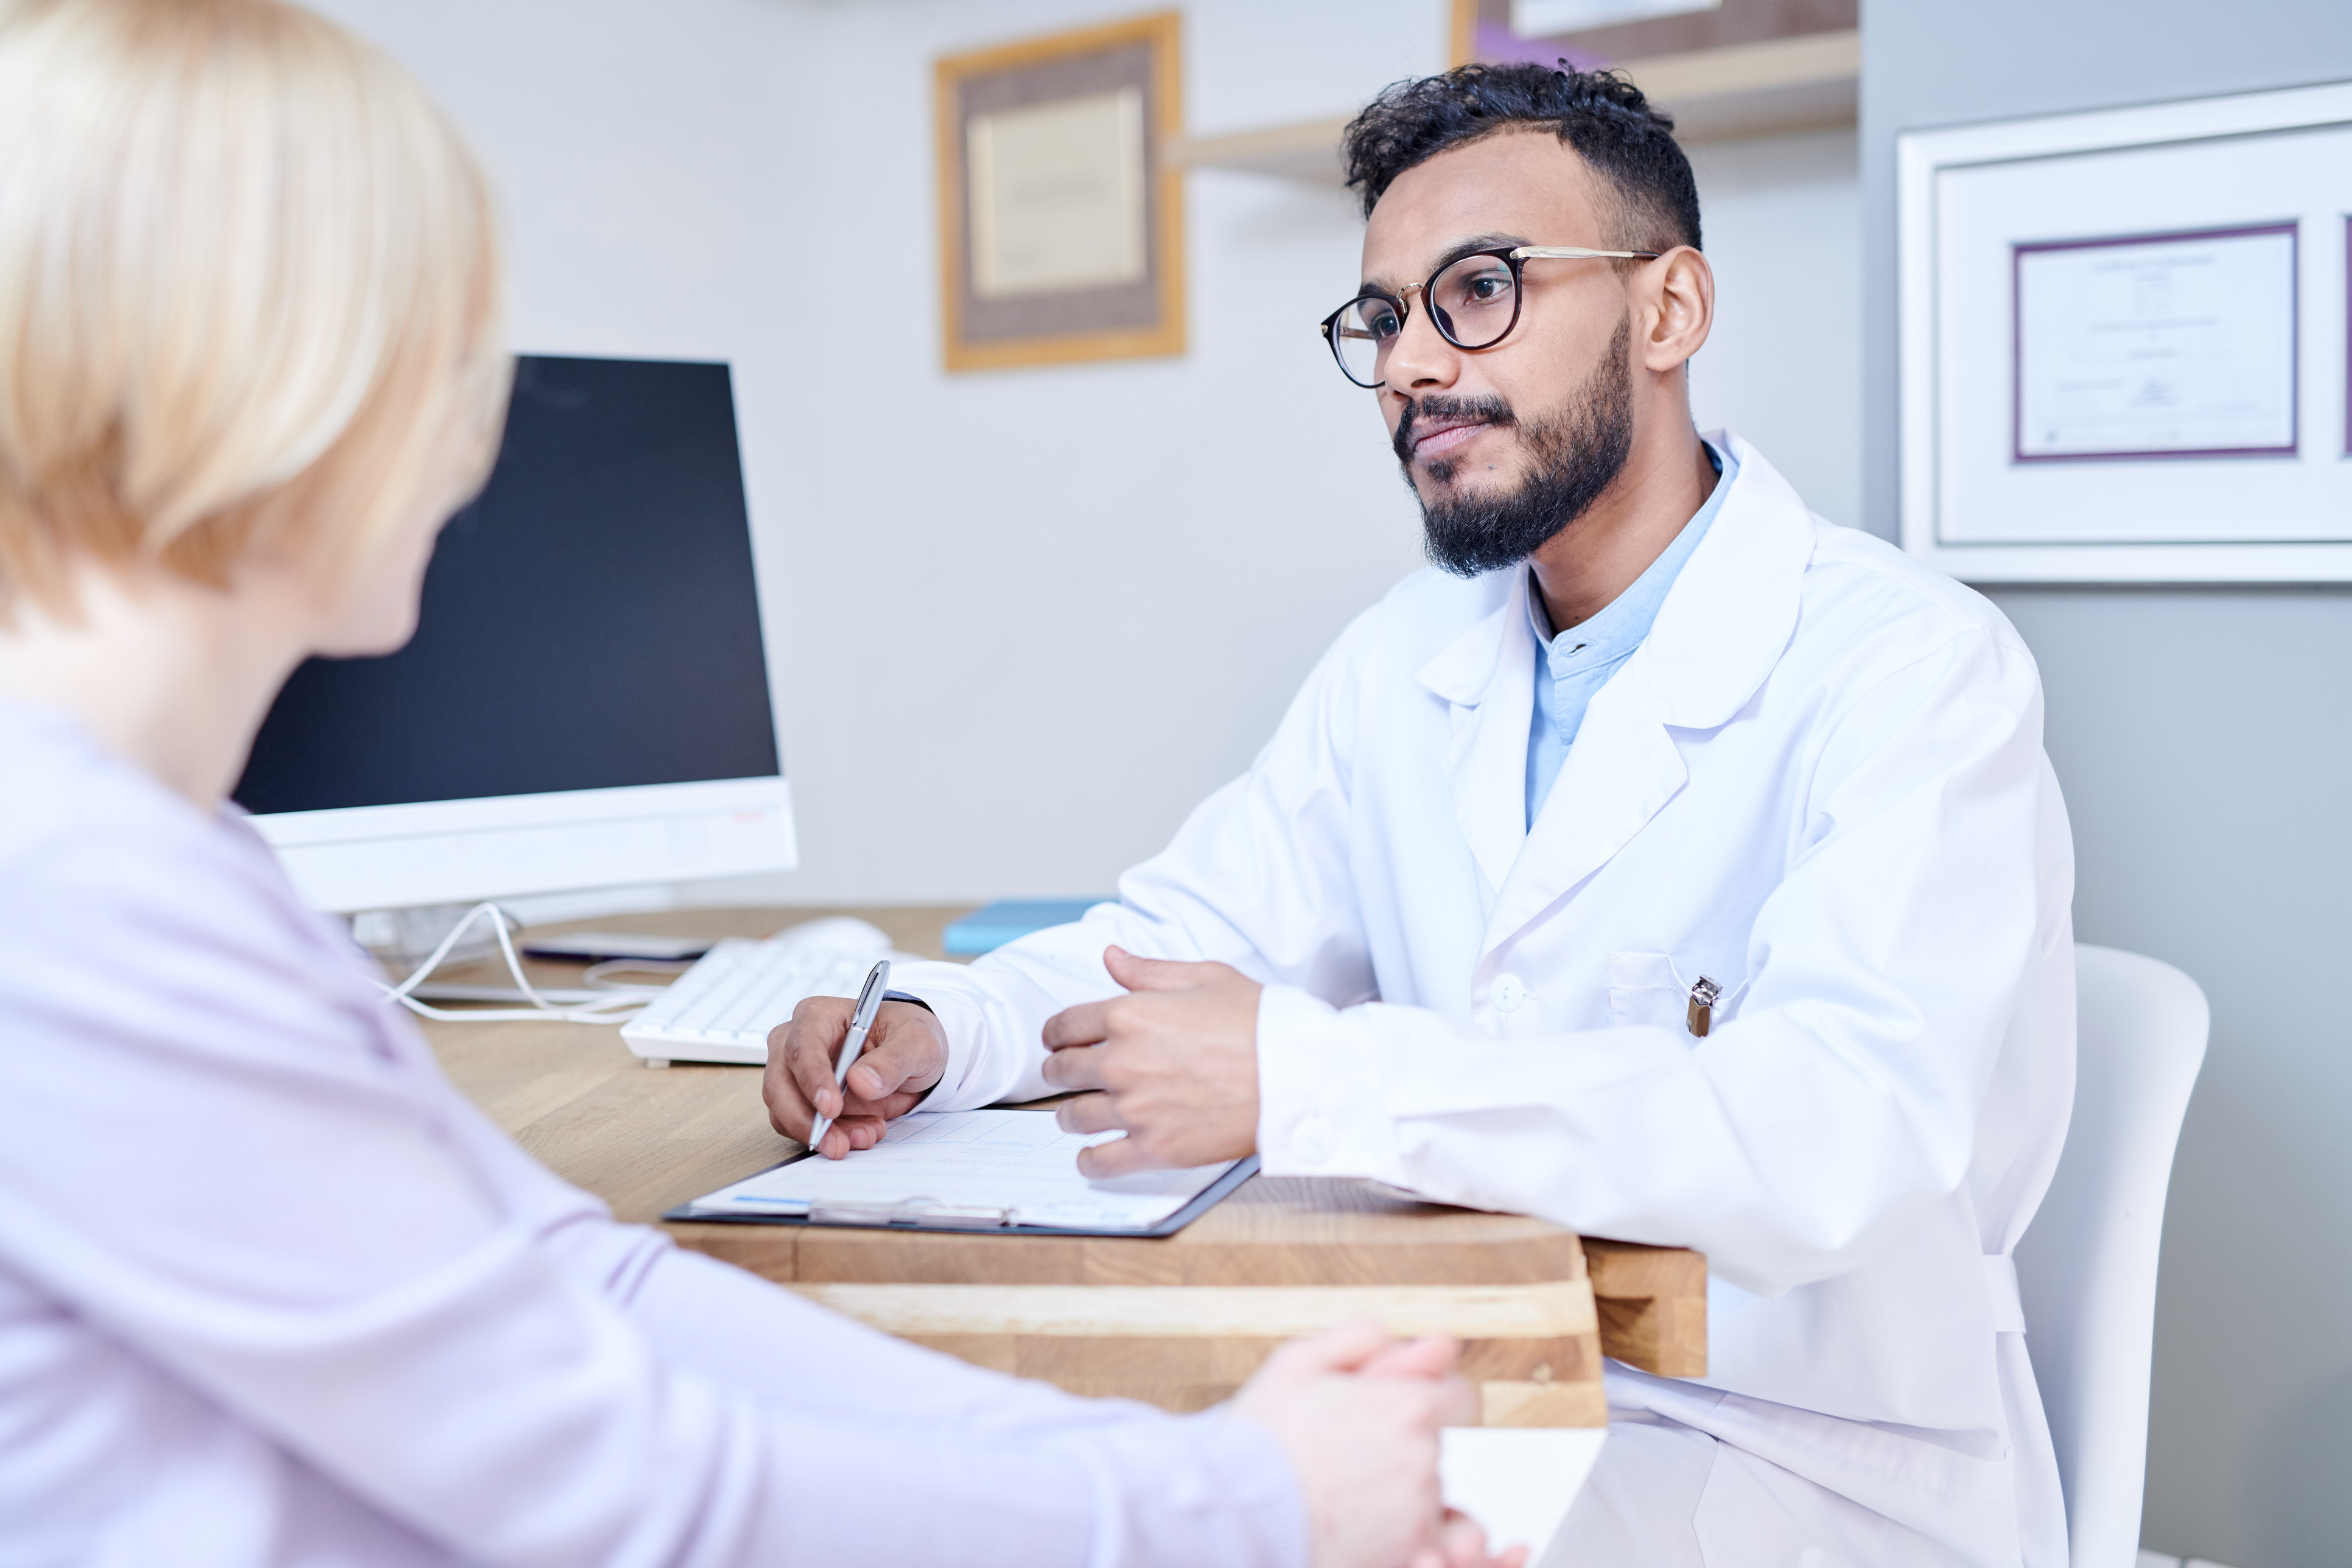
(603, 1010)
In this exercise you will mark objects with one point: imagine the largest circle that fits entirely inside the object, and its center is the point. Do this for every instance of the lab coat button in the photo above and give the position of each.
(1314, 1142)
(1506, 993)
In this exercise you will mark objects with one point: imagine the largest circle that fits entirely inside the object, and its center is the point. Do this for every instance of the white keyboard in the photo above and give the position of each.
(722, 1008)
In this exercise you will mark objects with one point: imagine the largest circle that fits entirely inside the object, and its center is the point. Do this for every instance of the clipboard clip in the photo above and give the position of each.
(928, 1212)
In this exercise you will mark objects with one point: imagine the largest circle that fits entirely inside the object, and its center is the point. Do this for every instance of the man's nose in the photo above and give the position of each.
(1421, 357)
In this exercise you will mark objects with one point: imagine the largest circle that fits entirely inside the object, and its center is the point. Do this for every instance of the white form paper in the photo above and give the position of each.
(2167, 346)
(962, 1161)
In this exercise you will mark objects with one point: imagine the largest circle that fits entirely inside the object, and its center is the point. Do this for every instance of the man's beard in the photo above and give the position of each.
(1578, 454)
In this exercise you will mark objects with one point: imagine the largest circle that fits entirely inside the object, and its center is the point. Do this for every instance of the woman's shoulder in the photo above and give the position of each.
(123, 905)
(77, 823)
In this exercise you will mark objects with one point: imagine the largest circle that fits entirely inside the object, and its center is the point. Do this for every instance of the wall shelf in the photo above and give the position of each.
(1803, 83)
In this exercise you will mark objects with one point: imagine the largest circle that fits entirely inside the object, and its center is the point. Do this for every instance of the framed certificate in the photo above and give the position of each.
(1061, 224)
(2123, 343)
(2169, 345)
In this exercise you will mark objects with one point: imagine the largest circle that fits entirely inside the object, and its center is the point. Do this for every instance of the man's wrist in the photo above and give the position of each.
(914, 1001)
(1320, 1109)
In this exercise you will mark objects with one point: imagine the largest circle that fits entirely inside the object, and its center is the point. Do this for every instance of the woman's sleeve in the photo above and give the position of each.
(207, 1151)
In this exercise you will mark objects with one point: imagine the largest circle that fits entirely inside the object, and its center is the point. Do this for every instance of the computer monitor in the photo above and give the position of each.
(586, 702)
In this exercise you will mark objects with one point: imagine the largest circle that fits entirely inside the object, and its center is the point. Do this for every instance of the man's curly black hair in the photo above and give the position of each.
(1602, 115)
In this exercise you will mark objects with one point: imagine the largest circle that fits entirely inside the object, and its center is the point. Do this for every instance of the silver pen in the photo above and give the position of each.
(861, 1021)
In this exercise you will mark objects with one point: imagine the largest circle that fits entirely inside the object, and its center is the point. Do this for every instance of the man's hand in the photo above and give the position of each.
(906, 1052)
(1175, 1061)
(1357, 1416)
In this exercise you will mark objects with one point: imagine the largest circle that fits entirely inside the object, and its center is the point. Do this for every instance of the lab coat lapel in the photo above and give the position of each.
(1723, 626)
(1622, 769)
(1487, 675)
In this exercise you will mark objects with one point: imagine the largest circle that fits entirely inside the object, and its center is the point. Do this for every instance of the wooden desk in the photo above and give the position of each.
(1180, 1322)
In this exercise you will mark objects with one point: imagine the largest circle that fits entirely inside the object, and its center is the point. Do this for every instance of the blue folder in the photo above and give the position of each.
(984, 931)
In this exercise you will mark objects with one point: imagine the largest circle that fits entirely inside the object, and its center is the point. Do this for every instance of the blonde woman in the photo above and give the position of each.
(271, 1291)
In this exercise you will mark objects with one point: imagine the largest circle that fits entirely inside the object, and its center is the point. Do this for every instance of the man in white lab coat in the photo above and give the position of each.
(1665, 861)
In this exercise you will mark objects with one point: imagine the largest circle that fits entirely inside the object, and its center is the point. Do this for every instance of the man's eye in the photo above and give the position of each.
(1488, 286)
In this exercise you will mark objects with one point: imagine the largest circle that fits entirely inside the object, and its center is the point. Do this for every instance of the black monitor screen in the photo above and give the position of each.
(589, 622)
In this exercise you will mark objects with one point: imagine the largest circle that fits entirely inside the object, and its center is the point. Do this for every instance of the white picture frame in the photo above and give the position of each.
(2160, 192)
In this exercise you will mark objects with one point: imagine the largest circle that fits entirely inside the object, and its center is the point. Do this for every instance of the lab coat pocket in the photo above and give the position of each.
(1651, 988)
(1643, 988)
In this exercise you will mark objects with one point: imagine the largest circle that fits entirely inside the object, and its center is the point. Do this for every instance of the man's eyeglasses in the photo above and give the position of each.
(1473, 301)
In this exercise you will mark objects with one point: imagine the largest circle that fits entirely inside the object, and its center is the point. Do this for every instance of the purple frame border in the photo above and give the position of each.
(2292, 228)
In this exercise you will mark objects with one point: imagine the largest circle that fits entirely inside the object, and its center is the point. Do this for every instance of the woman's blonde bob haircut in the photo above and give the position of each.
(249, 290)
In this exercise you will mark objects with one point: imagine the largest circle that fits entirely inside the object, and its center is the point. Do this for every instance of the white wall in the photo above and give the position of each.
(1021, 623)
(1092, 588)
(642, 156)
(1782, 225)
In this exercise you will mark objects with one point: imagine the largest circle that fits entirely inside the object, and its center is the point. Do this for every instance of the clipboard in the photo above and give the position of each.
(920, 1215)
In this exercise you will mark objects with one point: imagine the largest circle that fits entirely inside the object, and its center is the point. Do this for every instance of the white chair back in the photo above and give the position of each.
(2086, 1266)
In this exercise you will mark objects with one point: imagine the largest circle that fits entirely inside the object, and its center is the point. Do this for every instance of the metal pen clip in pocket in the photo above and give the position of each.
(1704, 995)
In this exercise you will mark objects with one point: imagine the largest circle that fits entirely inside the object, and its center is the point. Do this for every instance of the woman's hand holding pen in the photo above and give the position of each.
(904, 1055)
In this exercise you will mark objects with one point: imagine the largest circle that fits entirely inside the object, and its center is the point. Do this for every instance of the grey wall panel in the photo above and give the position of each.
(2204, 737)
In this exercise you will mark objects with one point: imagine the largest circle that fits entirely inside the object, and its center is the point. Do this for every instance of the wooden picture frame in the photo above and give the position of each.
(1733, 68)
(1481, 30)
(1061, 216)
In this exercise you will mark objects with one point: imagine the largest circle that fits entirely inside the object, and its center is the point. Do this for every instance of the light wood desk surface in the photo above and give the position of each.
(1535, 1306)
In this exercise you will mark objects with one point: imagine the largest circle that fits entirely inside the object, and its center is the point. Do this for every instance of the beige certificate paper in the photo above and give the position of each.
(2166, 345)
(1058, 195)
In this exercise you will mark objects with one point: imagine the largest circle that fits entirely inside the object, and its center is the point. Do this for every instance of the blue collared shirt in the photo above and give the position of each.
(1580, 660)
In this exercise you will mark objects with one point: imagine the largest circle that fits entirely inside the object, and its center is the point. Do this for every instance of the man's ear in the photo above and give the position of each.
(1676, 309)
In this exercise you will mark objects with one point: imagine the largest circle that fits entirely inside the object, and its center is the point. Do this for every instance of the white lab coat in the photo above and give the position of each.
(1821, 783)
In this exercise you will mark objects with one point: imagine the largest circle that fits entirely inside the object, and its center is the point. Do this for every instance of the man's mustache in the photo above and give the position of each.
(1487, 410)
